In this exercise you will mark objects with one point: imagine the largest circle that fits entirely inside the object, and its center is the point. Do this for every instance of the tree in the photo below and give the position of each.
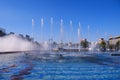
(103, 45)
(2, 33)
(84, 43)
(54, 44)
(12, 33)
(111, 46)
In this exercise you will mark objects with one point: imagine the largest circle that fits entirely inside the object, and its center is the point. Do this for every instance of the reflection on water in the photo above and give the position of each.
(19, 66)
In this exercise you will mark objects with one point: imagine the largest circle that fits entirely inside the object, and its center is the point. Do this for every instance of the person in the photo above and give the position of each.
(61, 56)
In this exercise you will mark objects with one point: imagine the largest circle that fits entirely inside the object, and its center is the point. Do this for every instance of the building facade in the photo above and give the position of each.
(113, 41)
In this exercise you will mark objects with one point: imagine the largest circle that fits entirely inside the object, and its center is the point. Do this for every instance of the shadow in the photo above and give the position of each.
(23, 72)
(108, 61)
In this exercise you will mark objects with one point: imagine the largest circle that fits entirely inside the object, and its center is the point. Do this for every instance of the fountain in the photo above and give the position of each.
(51, 26)
(79, 36)
(32, 27)
(46, 47)
(61, 34)
(42, 24)
(51, 35)
(32, 31)
(88, 31)
(47, 51)
(46, 65)
(93, 47)
(71, 30)
(44, 44)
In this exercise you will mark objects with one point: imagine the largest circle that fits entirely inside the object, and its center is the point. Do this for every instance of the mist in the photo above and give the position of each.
(15, 43)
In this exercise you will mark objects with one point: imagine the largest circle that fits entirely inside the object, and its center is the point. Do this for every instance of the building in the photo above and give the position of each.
(113, 41)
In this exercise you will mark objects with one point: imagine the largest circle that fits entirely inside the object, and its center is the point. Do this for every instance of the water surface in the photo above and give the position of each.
(19, 66)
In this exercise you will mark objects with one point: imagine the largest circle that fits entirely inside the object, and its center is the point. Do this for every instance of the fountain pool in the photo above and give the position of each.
(18, 66)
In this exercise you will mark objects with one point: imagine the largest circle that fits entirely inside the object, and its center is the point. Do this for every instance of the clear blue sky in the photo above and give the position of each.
(103, 16)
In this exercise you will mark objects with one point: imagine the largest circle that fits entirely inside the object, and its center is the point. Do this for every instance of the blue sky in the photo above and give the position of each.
(103, 16)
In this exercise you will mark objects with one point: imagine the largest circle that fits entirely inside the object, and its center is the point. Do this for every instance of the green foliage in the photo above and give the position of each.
(103, 45)
(111, 46)
(2, 33)
(84, 43)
